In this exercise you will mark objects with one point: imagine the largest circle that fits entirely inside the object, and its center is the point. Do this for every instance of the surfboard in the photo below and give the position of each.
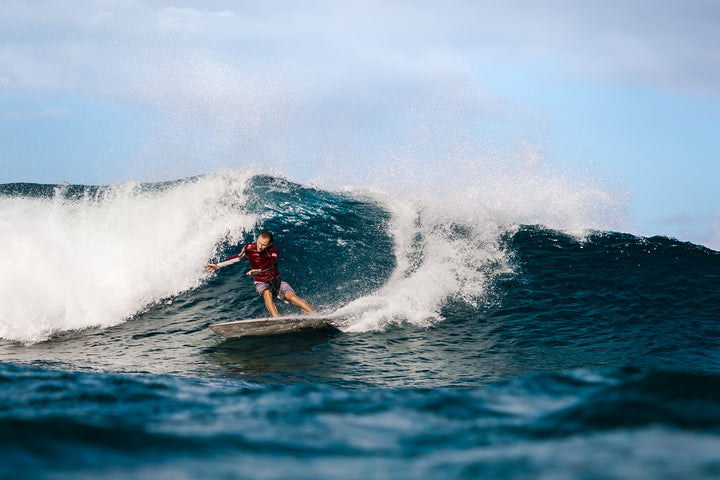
(274, 325)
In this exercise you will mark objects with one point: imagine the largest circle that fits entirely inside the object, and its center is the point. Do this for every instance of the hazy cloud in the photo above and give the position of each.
(345, 71)
(69, 45)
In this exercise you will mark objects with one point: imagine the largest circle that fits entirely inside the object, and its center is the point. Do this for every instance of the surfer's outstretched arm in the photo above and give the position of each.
(214, 267)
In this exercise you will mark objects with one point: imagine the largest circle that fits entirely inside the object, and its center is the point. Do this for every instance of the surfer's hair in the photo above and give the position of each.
(267, 235)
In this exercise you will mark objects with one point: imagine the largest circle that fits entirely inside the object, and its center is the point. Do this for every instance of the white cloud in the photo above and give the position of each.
(259, 60)
(265, 65)
(60, 44)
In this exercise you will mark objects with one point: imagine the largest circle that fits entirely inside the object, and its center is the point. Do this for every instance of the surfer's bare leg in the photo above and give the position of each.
(299, 302)
(269, 304)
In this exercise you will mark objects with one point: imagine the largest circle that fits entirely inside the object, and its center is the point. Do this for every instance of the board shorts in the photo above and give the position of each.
(278, 287)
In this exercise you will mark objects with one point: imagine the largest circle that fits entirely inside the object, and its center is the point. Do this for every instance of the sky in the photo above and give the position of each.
(622, 93)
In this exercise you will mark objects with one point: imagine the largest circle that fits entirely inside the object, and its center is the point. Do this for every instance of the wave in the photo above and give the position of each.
(77, 257)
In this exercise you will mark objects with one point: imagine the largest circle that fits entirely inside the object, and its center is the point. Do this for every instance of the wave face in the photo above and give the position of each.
(476, 341)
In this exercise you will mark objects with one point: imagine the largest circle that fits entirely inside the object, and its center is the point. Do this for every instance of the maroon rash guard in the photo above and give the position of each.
(265, 261)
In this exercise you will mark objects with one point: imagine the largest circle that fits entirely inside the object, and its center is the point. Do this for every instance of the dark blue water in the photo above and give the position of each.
(470, 349)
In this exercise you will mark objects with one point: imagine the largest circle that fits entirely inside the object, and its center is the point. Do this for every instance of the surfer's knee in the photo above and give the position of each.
(294, 299)
(267, 295)
(299, 302)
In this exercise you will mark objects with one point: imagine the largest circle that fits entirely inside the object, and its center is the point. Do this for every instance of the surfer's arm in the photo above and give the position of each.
(213, 267)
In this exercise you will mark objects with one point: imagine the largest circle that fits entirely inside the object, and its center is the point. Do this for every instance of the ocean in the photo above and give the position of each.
(481, 338)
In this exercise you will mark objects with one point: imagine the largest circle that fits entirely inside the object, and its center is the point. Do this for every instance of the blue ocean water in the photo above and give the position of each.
(473, 346)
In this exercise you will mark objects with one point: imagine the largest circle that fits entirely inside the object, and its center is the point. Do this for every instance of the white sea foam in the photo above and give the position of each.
(96, 261)
(441, 255)
(447, 234)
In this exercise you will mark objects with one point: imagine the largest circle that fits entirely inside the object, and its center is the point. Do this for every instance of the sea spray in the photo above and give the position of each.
(439, 257)
(448, 234)
(95, 257)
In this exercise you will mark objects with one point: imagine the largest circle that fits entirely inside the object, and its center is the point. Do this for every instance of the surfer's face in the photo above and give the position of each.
(262, 244)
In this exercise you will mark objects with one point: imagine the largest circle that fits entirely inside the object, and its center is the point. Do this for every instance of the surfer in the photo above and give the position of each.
(268, 283)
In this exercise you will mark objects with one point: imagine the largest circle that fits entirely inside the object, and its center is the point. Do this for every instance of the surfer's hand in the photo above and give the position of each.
(211, 267)
(253, 272)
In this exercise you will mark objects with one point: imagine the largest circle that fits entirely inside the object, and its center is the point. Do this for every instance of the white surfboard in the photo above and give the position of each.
(274, 325)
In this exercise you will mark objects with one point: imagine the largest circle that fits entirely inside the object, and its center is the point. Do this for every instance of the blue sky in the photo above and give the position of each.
(622, 93)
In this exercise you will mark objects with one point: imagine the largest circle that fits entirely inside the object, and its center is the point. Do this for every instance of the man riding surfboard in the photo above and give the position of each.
(268, 282)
